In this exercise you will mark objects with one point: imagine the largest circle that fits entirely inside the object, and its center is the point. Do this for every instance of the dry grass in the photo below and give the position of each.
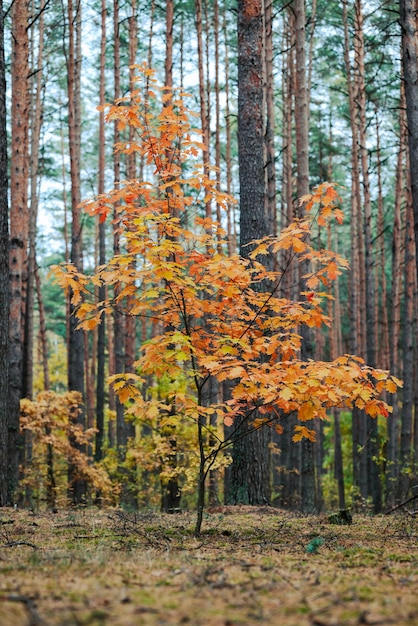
(250, 566)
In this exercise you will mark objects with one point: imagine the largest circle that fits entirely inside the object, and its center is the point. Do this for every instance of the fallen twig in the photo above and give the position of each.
(399, 506)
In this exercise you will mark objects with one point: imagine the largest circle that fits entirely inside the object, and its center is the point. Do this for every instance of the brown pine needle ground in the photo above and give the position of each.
(251, 566)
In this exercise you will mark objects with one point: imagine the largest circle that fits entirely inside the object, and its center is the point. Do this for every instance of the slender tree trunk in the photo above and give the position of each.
(101, 331)
(410, 73)
(118, 322)
(49, 457)
(4, 278)
(35, 123)
(406, 439)
(130, 321)
(289, 475)
(19, 227)
(382, 340)
(309, 504)
(42, 331)
(374, 488)
(270, 117)
(77, 487)
(232, 240)
(336, 350)
(36, 115)
(359, 434)
(202, 95)
(392, 451)
(169, 21)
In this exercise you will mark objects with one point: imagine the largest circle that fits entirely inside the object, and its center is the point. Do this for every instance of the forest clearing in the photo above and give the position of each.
(252, 565)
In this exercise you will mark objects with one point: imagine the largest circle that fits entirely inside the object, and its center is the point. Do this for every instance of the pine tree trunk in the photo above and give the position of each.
(77, 487)
(202, 95)
(372, 442)
(232, 239)
(19, 231)
(250, 471)
(410, 74)
(382, 339)
(392, 451)
(49, 456)
(308, 491)
(270, 118)
(36, 115)
(118, 320)
(4, 278)
(406, 436)
(101, 331)
(356, 276)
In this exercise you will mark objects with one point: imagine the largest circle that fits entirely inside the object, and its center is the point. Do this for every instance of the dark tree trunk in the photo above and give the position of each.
(77, 487)
(410, 69)
(100, 384)
(392, 455)
(308, 491)
(4, 276)
(250, 472)
(405, 457)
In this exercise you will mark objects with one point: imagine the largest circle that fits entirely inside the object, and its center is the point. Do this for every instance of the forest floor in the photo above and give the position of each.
(250, 566)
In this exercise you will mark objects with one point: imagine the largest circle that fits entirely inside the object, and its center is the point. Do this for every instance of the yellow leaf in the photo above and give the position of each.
(286, 393)
(306, 412)
(391, 386)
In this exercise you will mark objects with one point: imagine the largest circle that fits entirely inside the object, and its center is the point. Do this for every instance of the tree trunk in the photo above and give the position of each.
(372, 442)
(100, 384)
(356, 274)
(250, 472)
(202, 96)
(36, 114)
(406, 439)
(392, 452)
(410, 74)
(77, 487)
(118, 321)
(232, 239)
(4, 279)
(270, 117)
(19, 231)
(308, 491)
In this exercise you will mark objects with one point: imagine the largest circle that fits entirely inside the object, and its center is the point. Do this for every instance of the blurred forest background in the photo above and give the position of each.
(334, 108)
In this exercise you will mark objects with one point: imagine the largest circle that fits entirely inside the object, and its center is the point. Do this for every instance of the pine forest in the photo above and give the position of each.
(209, 227)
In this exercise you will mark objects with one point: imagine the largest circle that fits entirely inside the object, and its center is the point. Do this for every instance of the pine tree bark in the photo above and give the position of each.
(382, 338)
(35, 122)
(232, 239)
(408, 24)
(250, 471)
(374, 488)
(131, 171)
(19, 231)
(118, 320)
(392, 451)
(202, 95)
(359, 434)
(406, 435)
(101, 331)
(270, 117)
(4, 278)
(76, 374)
(308, 490)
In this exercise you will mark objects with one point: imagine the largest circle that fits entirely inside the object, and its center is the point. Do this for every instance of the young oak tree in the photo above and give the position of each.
(215, 322)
